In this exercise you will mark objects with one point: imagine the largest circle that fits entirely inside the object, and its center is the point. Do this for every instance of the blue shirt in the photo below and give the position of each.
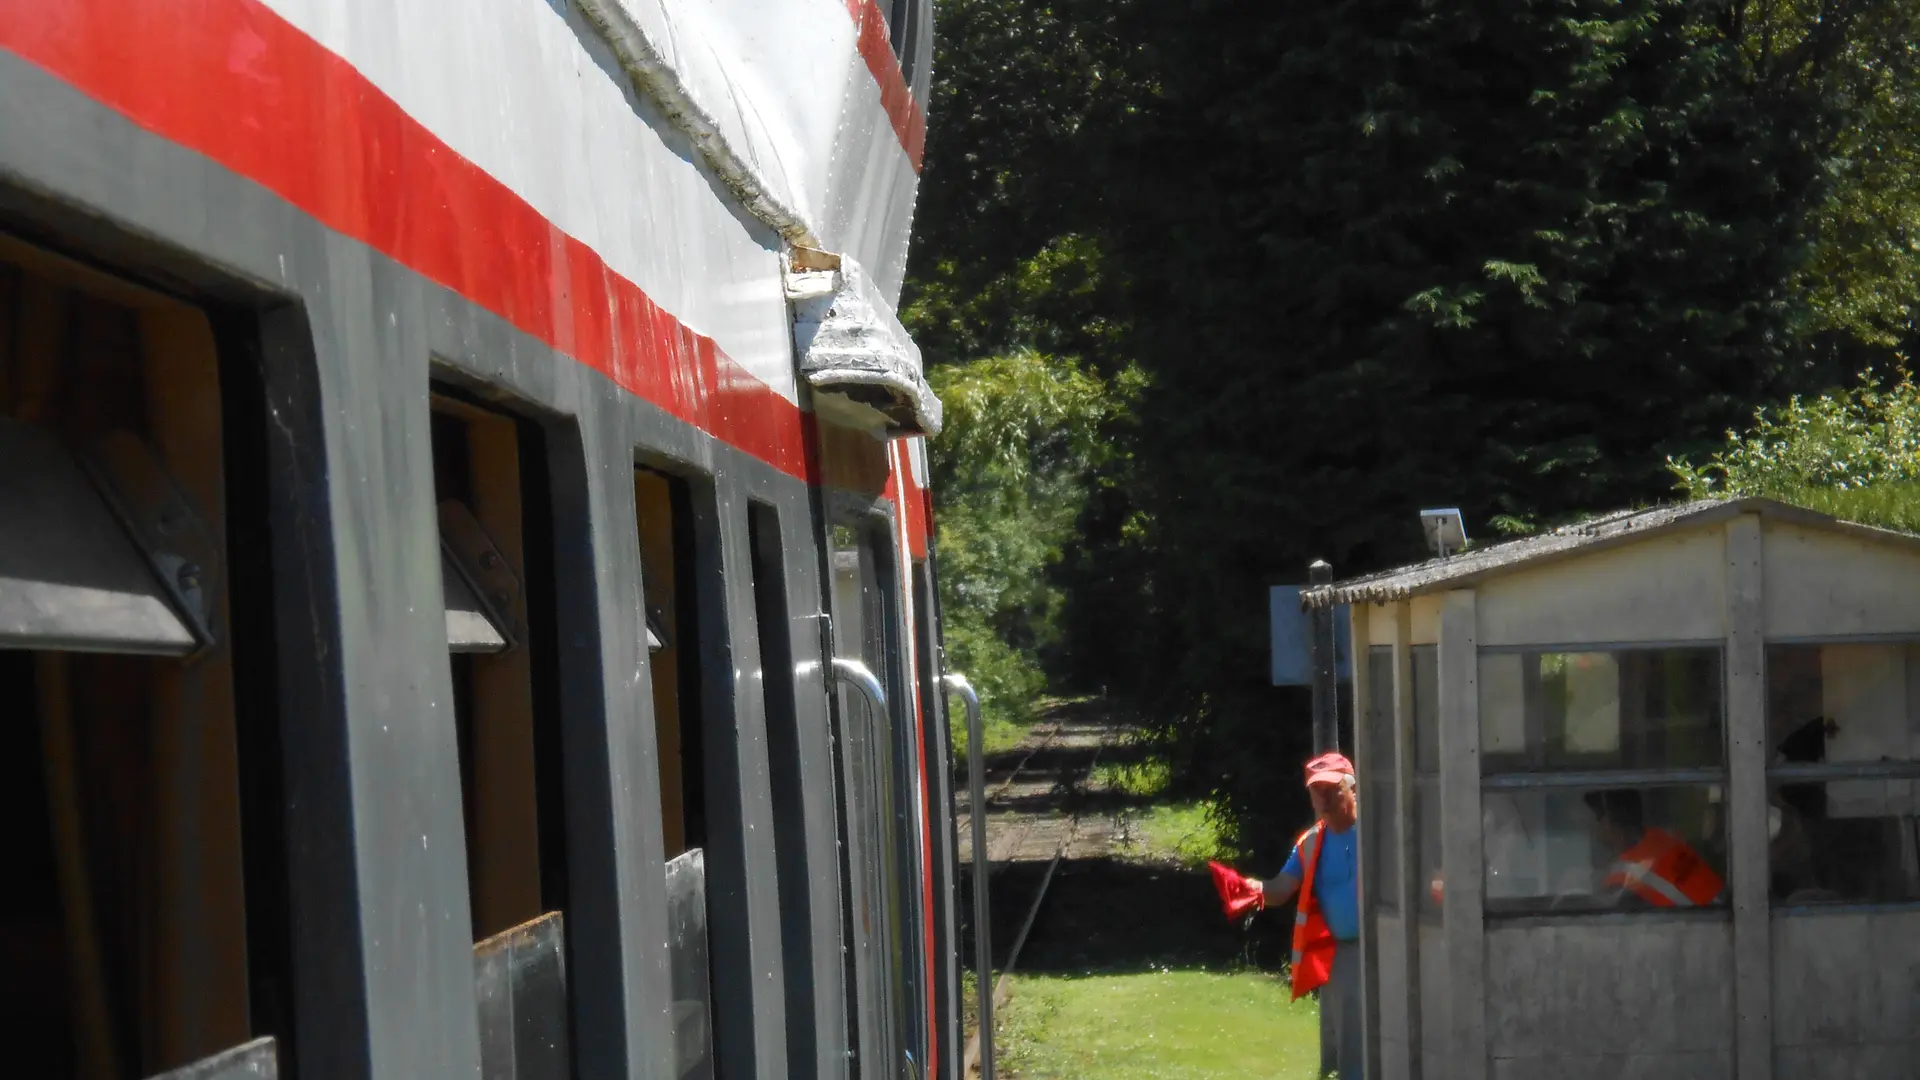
(1336, 886)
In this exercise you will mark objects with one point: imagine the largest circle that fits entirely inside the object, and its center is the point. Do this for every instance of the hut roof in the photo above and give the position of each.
(1609, 530)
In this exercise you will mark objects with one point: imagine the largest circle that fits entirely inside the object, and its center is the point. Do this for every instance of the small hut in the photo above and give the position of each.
(1737, 684)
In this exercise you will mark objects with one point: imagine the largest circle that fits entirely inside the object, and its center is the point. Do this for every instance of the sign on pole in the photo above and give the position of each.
(1293, 638)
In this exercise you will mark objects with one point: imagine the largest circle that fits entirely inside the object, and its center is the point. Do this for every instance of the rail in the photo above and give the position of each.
(982, 938)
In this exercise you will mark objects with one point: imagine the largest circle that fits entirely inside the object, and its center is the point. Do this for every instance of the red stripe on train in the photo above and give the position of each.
(909, 120)
(236, 82)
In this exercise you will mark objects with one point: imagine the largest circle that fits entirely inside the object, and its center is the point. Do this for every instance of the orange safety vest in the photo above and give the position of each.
(1662, 870)
(1313, 942)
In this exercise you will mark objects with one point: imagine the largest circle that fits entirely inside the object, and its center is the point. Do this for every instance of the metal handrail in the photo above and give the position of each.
(982, 939)
(863, 680)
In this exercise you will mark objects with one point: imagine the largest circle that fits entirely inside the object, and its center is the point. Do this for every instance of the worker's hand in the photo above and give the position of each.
(1257, 887)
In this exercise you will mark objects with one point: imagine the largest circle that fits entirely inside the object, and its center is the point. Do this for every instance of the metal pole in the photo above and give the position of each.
(977, 811)
(1326, 699)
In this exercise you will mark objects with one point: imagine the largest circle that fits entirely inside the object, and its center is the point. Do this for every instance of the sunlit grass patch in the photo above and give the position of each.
(1157, 1025)
(1140, 779)
(1180, 832)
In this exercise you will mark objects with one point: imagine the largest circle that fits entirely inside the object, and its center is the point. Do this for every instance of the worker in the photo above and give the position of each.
(1324, 868)
(1650, 865)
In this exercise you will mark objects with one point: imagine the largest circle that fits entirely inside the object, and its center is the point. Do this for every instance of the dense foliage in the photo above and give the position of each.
(1854, 453)
(1011, 473)
(1509, 255)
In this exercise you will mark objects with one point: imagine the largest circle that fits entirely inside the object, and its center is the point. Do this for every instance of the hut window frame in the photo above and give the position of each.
(1541, 779)
(1785, 774)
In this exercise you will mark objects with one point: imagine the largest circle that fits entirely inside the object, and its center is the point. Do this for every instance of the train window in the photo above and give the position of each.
(490, 485)
(664, 507)
(792, 872)
(130, 927)
(882, 782)
(935, 747)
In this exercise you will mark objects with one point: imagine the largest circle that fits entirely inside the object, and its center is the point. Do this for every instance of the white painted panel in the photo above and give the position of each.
(1563, 992)
(1390, 956)
(1846, 980)
(1381, 621)
(508, 85)
(1436, 1003)
(1426, 619)
(1821, 584)
(1667, 588)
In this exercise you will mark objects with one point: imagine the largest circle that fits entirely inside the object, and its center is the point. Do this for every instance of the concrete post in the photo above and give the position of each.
(1747, 839)
(1326, 691)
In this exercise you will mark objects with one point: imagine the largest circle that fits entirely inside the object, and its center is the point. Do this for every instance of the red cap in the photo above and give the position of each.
(1328, 769)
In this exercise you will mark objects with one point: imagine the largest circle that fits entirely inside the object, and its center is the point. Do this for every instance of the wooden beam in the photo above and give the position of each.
(1462, 855)
(1746, 714)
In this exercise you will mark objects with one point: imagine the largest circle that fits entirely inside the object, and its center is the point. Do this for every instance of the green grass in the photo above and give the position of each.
(1890, 505)
(1163, 1025)
(1178, 832)
(1141, 779)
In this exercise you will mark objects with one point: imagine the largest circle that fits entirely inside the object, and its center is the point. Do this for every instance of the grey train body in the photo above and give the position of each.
(346, 346)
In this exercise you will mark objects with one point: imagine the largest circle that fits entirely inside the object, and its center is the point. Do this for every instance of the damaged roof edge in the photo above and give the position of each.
(1608, 531)
(848, 340)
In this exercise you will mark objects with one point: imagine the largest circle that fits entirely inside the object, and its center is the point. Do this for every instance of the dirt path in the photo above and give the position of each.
(1112, 905)
(1035, 791)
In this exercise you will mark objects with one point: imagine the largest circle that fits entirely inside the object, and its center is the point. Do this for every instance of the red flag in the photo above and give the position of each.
(1237, 896)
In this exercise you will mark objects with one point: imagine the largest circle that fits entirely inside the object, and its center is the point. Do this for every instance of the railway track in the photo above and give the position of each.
(1012, 844)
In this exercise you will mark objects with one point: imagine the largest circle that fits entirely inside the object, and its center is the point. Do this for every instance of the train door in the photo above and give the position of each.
(880, 792)
(143, 917)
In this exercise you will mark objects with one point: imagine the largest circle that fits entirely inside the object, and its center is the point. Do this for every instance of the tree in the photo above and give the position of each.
(1387, 254)
(1010, 473)
(1853, 453)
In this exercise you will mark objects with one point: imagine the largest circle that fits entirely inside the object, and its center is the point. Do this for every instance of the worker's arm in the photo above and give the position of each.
(1279, 888)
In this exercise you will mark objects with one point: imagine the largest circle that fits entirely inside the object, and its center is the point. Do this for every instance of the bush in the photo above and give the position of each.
(1010, 476)
(1854, 454)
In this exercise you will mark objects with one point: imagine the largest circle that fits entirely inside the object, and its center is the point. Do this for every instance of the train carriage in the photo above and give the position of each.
(466, 593)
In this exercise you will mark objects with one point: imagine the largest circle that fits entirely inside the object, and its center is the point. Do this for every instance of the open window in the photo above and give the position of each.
(495, 523)
(670, 615)
(138, 759)
(1843, 734)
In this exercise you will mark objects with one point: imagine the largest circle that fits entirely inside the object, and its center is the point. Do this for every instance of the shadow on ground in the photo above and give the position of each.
(1111, 915)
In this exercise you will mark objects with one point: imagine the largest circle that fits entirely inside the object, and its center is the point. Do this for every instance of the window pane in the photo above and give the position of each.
(1426, 825)
(1565, 849)
(1622, 709)
(1845, 841)
(1383, 859)
(1426, 708)
(1843, 702)
(1380, 748)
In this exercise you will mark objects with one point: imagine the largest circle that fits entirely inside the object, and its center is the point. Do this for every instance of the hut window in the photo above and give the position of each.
(1596, 762)
(1383, 874)
(1843, 725)
(1426, 770)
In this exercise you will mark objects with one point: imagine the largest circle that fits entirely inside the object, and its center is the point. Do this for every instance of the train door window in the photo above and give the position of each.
(664, 506)
(133, 749)
(935, 748)
(792, 872)
(880, 786)
(489, 480)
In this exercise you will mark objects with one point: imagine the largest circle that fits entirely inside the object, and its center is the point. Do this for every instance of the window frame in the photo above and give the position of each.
(1828, 772)
(1514, 781)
